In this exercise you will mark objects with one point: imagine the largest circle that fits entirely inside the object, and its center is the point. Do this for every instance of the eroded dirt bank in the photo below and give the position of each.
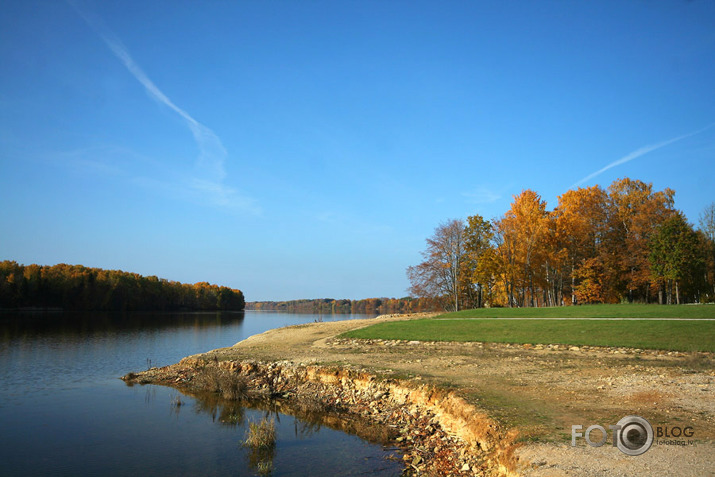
(439, 432)
(457, 407)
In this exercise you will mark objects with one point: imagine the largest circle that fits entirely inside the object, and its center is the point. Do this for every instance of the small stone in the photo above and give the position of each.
(465, 468)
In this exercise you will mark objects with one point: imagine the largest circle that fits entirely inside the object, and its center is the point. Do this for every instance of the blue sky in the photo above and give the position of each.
(307, 149)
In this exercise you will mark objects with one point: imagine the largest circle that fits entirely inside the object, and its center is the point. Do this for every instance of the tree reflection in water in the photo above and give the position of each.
(308, 418)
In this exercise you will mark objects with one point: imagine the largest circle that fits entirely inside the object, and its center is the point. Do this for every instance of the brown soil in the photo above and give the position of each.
(541, 391)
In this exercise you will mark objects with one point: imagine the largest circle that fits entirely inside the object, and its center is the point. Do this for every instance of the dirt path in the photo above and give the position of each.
(540, 390)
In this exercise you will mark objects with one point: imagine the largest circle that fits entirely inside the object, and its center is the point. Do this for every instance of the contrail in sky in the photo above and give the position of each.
(212, 154)
(638, 153)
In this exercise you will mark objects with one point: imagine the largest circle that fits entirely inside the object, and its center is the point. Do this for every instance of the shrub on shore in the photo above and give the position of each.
(229, 385)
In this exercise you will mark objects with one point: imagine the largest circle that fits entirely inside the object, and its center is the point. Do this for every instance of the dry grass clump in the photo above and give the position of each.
(261, 439)
(264, 467)
(698, 361)
(129, 377)
(235, 389)
(261, 434)
(229, 385)
(176, 401)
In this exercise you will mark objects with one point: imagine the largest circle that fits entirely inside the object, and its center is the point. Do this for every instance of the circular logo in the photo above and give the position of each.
(635, 435)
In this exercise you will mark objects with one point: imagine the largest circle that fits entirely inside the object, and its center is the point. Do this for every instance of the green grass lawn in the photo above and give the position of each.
(593, 311)
(472, 325)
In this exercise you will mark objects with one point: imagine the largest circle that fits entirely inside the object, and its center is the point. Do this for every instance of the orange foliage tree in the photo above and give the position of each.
(626, 243)
(523, 235)
(580, 220)
(635, 212)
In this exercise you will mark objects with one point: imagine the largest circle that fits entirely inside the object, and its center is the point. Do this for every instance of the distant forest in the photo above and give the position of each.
(75, 287)
(379, 306)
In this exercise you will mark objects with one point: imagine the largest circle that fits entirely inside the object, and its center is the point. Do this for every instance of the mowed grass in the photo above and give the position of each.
(647, 333)
(593, 311)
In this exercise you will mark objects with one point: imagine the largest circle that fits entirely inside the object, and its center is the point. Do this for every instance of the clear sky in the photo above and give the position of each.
(306, 149)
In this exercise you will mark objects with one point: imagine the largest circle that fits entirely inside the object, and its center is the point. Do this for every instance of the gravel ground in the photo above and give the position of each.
(548, 460)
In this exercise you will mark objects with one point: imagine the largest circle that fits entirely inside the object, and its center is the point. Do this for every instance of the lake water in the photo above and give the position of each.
(63, 410)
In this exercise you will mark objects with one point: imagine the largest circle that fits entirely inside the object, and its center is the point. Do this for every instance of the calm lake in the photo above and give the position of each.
(63, 410)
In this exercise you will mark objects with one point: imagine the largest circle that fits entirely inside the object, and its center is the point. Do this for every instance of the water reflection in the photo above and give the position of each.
(63, 410)
(302, 425)
(78, 324)
(307, 418)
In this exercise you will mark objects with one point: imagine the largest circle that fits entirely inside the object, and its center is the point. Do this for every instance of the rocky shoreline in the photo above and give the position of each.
(454, 408)
(437, 431)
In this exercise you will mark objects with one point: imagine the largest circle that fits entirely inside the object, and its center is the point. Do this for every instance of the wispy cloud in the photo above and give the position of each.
(638, 153)
(329, 217)
(98, 159)
(481, 195)
(212, 154)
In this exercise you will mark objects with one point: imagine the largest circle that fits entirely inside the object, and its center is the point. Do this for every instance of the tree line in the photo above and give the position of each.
(625, 243)
(379, 306)
(75, 287)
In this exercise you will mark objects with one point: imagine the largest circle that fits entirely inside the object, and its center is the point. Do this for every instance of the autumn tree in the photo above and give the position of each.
(675, 258)
(707, 221)
(597, 246)
(580, 221)
(522, 235)
(587, 283)
(707, 239)
(442, 272)
(481, 259)
(635, 212)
